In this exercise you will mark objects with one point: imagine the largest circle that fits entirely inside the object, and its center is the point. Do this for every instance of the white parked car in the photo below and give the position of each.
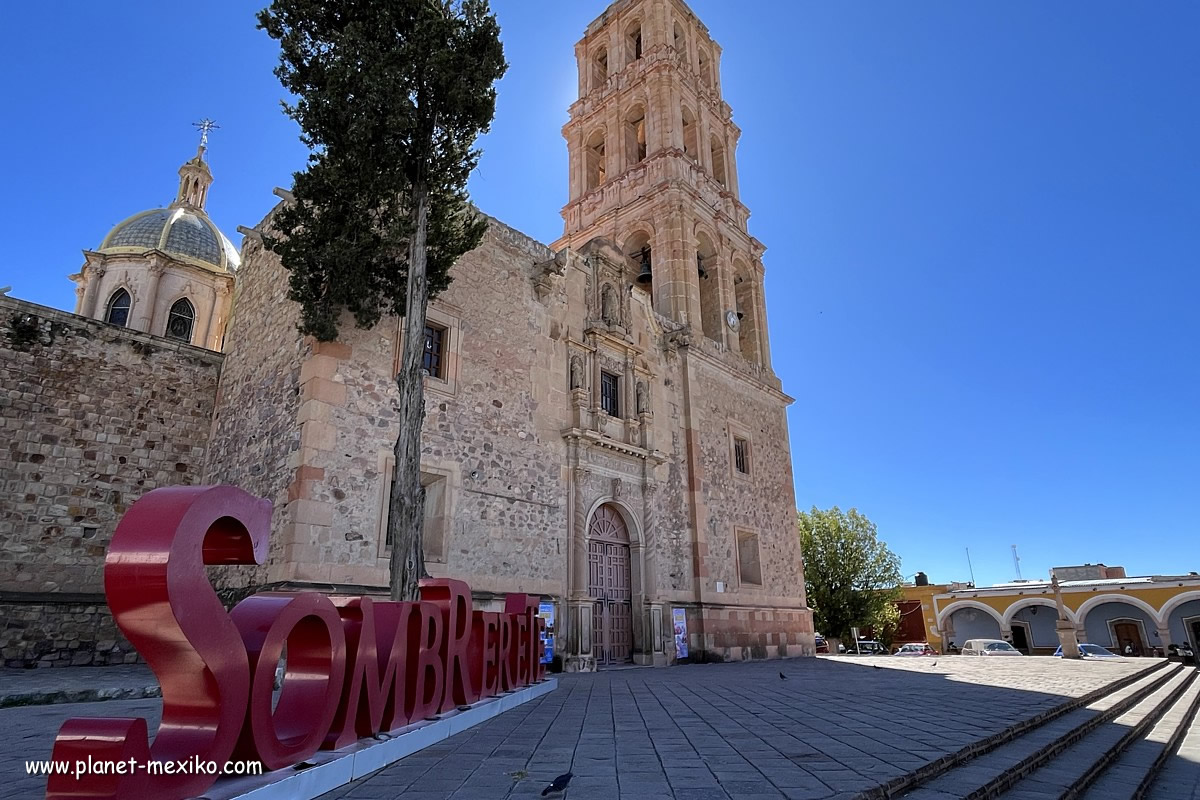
(1090, 651)
(989, 647)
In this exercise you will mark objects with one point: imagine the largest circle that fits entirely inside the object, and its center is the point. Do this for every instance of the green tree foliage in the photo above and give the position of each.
(390, 96)
(852, 577)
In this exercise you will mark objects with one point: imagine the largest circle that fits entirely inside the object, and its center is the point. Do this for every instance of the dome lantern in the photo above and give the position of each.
(194, 180)
(194, 175)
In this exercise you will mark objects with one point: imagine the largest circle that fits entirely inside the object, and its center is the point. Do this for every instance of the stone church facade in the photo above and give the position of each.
(603, 427)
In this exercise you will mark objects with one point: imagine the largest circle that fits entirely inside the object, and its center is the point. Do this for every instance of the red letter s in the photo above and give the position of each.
(162, 601)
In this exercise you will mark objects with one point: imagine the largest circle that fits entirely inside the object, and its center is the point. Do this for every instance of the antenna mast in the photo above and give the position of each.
(1016, 562)
(971, 568)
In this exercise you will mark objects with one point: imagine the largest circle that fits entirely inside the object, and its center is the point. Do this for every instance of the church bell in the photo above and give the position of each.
(645, 276)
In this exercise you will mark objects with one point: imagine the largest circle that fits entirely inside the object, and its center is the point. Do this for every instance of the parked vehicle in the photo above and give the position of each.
(916, 649)
(989, 647)
(1181, 652)
(822, 644)
(866, 647)
(1089, 651)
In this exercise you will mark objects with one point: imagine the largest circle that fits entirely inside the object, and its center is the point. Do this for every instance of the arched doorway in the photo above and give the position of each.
(609, 586)
(968, 620)
(1182, 615)
(1120, 626)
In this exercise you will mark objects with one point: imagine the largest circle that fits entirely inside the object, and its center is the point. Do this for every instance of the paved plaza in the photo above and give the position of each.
(832, 728)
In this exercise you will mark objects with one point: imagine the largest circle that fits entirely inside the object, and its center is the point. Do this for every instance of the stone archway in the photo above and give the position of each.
(1119, 622)
(969, 619)
(610, 586)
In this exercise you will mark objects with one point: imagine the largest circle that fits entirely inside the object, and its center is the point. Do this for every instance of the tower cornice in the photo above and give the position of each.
(659, 60)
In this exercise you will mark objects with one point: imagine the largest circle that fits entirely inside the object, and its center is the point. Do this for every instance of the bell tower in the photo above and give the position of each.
(653, 169)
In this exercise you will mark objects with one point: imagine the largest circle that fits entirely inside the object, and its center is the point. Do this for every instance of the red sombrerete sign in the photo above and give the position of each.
(355, 666)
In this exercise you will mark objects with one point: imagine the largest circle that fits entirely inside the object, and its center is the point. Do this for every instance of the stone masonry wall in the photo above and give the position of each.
(749, 619)
(255, 433)
(748, 502)
(92, 416)
(490, 435)
(502, 424)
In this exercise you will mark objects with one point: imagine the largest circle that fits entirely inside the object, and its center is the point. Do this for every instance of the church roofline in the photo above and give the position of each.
(493, 221)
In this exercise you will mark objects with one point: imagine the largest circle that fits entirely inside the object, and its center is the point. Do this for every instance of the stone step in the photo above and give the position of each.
(1103, 696)
(1178, 776)
(1130, 776)
(1073, 771)
(991, 773)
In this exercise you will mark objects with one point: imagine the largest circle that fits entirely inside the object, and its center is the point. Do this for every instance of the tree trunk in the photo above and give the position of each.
(406, 514)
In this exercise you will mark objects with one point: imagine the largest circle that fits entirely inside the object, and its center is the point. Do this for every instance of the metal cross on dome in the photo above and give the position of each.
(204, 126)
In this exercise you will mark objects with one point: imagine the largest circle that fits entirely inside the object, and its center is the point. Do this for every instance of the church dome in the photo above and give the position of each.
(180, 231)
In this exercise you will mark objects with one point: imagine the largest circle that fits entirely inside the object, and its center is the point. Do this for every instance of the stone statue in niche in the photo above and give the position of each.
(576, 372)
(643, 402)
(608, 306)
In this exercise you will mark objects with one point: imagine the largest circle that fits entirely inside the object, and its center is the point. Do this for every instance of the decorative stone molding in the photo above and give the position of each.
(545, 272)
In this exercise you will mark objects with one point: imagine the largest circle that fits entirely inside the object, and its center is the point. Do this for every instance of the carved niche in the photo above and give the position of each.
(608, 285)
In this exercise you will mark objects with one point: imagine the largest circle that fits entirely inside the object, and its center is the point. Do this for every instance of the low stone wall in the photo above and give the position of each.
(743, 634)
(48, 631)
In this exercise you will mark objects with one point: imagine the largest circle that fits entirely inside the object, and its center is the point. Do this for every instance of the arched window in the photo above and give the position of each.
(708, 274)
(633, 40)
(705, 69)
(690, 147)
(718, 160)
(594, 165)
(746, 306)
(180, 320)
(600, 69)
(118, 308)
(680, 44)
(635, 135)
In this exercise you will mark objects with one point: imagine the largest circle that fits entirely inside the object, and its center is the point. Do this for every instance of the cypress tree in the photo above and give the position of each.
(390, 97)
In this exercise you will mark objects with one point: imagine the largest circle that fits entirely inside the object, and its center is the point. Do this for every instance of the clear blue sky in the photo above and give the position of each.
(983, 223)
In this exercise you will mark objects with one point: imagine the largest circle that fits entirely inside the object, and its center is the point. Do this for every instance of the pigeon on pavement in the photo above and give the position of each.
(782, 677)
(558, 784)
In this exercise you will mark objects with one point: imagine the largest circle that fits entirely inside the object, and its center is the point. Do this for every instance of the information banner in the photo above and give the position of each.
(546, 612)
(679, 618)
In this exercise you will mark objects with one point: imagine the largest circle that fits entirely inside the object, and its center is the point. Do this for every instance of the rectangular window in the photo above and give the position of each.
(435, 345)
(741, 455)
(749, 567)
(610, 394)
(436, 519)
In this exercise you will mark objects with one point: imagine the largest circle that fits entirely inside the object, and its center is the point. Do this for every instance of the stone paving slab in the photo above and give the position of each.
(29, 687)
(833, 728)
(29, 734)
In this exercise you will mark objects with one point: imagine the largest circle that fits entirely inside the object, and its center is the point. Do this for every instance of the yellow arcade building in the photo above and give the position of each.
(1138, 615)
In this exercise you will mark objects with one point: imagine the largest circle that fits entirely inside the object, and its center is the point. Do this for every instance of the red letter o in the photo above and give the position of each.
(312, 686)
